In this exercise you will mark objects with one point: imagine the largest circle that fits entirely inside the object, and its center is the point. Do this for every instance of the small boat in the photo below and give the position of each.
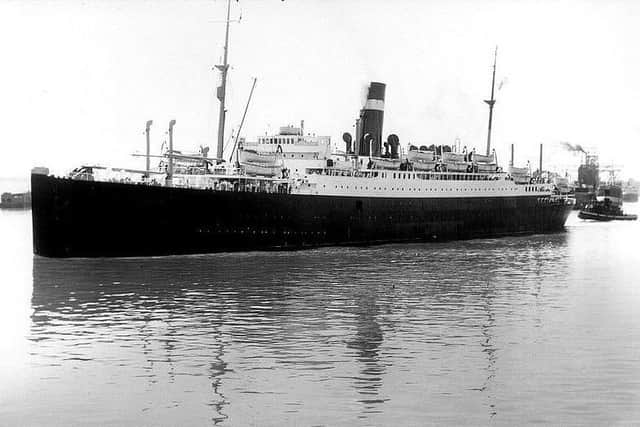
(485, 164)
(454, 157)
(588, 214)
(257, 169)
(421, 156)
(481, 158)
(422, 160)
(385, 163)
(453, 166)
(520, 175)
(424, 166)
(261, 163)
(456, 162)
(486, 167)
(246, 155)
(604, 210)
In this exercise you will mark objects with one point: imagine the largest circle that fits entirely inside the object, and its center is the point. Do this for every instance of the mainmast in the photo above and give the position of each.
(221, 91)
(491, 101)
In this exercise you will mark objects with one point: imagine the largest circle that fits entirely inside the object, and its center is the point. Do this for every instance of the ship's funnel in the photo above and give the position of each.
(370, 122)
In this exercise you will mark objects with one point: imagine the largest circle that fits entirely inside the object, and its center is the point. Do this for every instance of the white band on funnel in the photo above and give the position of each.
(374, 104)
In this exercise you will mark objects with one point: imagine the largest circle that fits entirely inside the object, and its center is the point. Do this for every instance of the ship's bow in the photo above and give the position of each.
(43, 215)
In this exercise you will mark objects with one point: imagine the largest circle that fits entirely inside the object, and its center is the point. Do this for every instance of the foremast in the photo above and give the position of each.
(222, 89)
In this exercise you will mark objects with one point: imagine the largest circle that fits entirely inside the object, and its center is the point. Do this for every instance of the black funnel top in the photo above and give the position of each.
(376, 91)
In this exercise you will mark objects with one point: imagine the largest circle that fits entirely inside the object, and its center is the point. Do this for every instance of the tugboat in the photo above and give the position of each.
(604, 210)
(607, 206)
(588, 181)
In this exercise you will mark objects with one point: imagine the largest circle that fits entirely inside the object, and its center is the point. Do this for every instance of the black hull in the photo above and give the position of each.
(74, 218)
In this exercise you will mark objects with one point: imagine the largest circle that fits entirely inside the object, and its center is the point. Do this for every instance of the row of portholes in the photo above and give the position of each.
(263, 232)
(342, 187)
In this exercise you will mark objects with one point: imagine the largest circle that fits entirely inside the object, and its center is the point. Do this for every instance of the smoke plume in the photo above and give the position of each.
(573, 147)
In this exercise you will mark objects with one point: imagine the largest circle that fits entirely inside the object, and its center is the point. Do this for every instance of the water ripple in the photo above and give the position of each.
(462, 333)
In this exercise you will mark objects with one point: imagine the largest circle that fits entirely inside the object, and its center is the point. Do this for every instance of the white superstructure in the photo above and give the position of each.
(379, 183)
(299, 151)
(295, 163)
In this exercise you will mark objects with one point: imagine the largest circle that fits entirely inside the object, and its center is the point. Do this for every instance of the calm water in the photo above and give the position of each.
(542, 329)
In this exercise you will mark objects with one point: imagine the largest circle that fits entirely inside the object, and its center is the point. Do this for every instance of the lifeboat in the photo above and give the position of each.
(453, 157)
(421, 156)
(456, 166)
(485, 164)
(385, 163)
(422, 160)
(424, 166)
(481, 158)
(519, 175)
(486, 168)
(260, 163)
(246, 155)
(455, 162)
(256, 169)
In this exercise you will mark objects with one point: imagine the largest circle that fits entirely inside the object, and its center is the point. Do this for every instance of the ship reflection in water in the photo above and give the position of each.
(509, 330)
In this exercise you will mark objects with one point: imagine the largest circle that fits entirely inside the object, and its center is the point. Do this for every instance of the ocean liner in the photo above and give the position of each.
(289, 191)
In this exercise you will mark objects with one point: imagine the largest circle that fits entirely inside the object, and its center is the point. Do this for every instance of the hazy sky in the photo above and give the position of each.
(79, 78)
